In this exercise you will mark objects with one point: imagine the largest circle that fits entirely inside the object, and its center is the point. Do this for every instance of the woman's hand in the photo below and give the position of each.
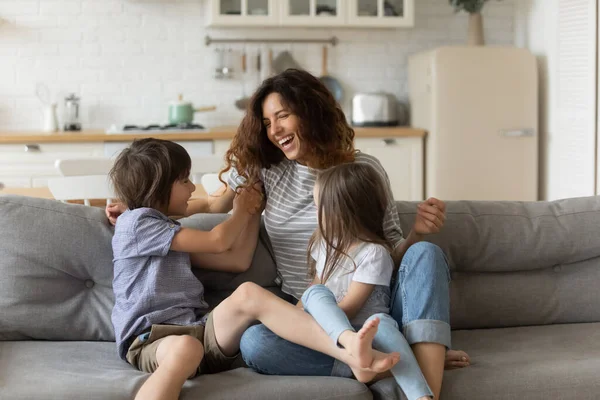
(113, 211)
(431, 215)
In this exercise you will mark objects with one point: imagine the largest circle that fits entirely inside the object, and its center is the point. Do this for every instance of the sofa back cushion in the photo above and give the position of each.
(520, 263)
(56, 270)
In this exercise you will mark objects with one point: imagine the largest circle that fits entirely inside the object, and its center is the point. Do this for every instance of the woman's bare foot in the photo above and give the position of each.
(456, 359)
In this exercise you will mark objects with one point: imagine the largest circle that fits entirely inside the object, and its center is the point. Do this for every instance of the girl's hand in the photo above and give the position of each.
(431, 215)
(113, 211)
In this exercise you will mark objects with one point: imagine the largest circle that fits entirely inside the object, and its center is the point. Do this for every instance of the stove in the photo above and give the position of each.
(170, 128)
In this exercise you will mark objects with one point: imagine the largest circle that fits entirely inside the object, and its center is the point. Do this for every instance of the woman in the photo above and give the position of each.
(294, 127)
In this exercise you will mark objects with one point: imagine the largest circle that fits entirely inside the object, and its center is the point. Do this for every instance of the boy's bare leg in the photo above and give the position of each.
(250, 302)
(178, 357)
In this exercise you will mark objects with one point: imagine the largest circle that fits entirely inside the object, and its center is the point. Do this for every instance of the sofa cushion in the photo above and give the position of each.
(537, 363)
(56, 270)
(32, 370)
(520, 263)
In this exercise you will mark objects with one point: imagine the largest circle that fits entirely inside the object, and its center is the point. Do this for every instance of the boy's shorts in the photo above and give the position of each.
(142, 352)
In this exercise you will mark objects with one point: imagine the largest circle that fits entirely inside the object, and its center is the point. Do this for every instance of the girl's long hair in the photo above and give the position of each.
(325, 133)
(352, 201)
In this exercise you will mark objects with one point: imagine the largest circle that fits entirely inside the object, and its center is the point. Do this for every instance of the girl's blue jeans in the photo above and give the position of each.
(420, 304)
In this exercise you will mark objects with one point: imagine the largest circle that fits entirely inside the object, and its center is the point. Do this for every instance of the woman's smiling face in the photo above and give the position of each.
(282, 128)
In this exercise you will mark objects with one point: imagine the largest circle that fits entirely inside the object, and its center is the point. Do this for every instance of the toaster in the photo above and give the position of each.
(374, 109)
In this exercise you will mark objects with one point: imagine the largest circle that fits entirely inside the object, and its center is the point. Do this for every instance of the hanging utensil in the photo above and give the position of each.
(270, 66)
(283, 61)
(43, 93)
(330, 82)
(243, 101)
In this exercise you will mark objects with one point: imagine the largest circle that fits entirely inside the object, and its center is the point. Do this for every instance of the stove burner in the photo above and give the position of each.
(155, 127)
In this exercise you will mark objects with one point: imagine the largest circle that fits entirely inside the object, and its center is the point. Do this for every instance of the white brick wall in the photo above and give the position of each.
(129, 58)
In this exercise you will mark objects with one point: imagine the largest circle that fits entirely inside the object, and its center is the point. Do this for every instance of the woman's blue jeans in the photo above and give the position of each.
(420, 304)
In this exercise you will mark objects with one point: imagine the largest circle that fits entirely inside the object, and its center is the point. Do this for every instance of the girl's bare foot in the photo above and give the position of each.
(365, 362)
(381, 362)
(361, 344)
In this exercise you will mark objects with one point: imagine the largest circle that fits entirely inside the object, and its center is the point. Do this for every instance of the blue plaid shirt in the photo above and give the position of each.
(152, 284)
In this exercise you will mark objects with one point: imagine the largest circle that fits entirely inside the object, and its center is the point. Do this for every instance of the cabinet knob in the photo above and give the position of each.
(32, 148)
(389, 141)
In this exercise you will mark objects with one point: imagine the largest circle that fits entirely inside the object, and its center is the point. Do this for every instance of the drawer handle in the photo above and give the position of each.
(33, 148)
(389, 141)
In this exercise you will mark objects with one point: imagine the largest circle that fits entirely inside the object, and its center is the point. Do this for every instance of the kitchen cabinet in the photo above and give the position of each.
(32, 164)
(312, 13)
(402, 159)
(220, 147)
(324, 13)
(243, 13)
(380, 13)
(27, 159)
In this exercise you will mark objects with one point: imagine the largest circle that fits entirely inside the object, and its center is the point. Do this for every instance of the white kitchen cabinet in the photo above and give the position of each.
(195, 148)
(220, 147)
(31, 164)
(402, 159)
(312, 13)
(381, 13)
(243, 13)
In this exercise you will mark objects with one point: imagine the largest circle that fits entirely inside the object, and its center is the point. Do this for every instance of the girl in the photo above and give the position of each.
(350, 261)
(161, 321)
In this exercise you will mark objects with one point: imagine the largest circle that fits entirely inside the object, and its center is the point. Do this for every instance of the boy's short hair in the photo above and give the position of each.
(144, 173)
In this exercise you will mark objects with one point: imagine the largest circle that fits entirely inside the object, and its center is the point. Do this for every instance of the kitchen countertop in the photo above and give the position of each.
(216, 133)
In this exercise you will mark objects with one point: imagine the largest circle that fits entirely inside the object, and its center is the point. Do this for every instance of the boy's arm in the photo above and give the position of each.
(219, 202)
(238, 258)
(222, 237)
(217, 240)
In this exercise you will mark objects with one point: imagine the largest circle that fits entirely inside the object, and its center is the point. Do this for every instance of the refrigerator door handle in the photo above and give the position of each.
(517, 132)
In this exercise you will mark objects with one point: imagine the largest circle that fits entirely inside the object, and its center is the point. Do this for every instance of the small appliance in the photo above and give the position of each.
(374, 109)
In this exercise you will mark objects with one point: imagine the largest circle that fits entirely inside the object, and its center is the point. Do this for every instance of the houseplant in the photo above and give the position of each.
(473, 7)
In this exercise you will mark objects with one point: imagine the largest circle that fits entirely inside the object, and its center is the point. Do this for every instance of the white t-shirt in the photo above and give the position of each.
(291, 216)
(374, 266)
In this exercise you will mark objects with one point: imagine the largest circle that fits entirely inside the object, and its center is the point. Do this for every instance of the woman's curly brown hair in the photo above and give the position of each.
(326, 137)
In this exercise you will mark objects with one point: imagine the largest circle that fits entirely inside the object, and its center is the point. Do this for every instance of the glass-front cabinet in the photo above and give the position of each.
(325, 13)
(244, 13)
(313, 12)
(381, 13)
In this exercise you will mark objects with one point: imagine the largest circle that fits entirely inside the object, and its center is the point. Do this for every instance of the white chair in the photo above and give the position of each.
(86, 188)
(83, 166)
(205, 171)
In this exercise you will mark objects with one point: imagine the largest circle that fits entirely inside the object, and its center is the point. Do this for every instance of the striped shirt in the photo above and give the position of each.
(152, 284)
(291, 217)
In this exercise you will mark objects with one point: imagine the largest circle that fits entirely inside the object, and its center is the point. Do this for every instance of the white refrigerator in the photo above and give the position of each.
(480, 108)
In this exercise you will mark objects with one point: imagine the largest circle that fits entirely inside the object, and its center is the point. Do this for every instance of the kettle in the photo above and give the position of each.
(182, 112)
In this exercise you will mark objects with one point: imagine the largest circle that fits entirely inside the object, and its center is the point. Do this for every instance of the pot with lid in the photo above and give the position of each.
(182, 112)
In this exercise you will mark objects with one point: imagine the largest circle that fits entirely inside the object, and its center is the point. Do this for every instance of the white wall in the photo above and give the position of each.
(128, 58)
(562, 34)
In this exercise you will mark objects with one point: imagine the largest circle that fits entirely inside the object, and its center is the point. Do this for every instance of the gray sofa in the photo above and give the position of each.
(525, 306)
